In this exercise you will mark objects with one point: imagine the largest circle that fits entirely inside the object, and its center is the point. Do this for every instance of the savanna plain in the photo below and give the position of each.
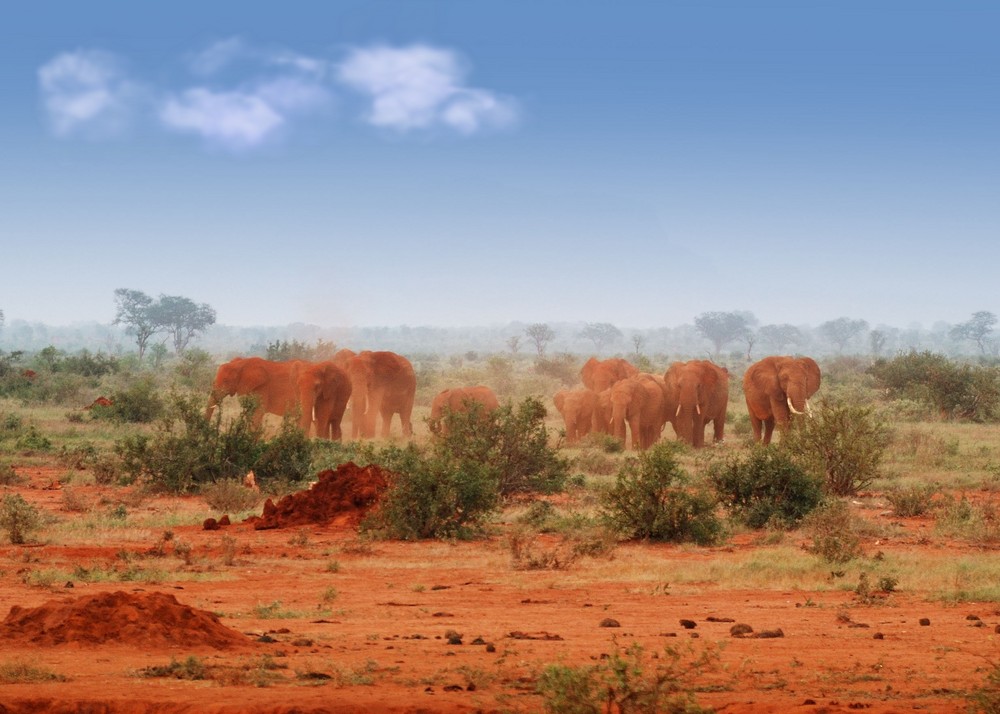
(125, 595)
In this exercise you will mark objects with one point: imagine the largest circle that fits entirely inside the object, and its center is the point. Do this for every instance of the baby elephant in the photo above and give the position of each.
(460, 399)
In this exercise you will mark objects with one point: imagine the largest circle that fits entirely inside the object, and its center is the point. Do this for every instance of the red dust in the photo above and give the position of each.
(340, 498)
(141, 620)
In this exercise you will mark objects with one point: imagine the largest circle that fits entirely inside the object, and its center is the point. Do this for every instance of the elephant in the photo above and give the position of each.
(274, 383)
(461, 399)
(601, 423)
(697, 392)
(598, 375)
(383, 384)
(324, 390)
(638, 402)
(578, 408)
(777, 387)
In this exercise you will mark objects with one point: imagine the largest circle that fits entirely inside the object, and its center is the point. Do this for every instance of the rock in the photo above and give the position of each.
(740, 630)
(688, 624)
(609, 622)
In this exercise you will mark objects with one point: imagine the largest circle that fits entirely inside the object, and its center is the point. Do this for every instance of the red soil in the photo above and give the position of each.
(339, 498)
(144, 620)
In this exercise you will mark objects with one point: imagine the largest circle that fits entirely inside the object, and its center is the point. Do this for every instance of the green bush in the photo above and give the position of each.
(10, 477)
(33, 440)
(563, 367)
(432, 496)
(843, 444)
(513, 444)
(834, 532)
(955, 390)
(765, 487)
(652, 498)
(229, 496)
(140, 403)
(627, 682)
(911, 500)
(18, 518)
(187, 451)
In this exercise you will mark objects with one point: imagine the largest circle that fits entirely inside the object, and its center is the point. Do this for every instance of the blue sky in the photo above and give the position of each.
(471, 163)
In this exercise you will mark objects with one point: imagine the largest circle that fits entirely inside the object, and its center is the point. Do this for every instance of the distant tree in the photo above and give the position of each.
(750, 339)
(977, 329)
(1, 319)
(601, 334)
(779, 337)
(181, 318)
(540, 334)
(514, 344)
(877, 338)
(638, 341)
(721, 328)
(842, 330)
(135, 310)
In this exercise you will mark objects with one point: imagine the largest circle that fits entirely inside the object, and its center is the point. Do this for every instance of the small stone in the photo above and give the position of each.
(69, 584)
(878, 636)
(972, 617)
(609, 622)
(491, 647)
(210, 524)
(688, 624)
(769, 634)
(224, 521)
(925, 622)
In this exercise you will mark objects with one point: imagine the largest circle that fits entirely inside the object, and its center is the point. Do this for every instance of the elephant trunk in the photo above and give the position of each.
(798, 403)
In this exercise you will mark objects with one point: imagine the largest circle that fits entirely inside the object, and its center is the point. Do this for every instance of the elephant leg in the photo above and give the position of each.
(756, 425)
(720, 428)
(636, 433)
(768, 430)
(405, 418)
(386, 413)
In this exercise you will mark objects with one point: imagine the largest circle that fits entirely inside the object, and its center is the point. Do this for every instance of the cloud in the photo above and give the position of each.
(217, 56)
(86, 92)
(266, 93)
(233, 119)
(420, 87)
(243, 119)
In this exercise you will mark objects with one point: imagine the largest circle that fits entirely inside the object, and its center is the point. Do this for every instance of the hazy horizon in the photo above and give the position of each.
(459, 164)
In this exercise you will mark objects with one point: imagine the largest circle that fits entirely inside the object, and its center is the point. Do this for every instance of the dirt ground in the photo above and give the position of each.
(333, 624)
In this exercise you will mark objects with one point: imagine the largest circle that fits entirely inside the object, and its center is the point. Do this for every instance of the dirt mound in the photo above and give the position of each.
(146, 620)
(341, 497)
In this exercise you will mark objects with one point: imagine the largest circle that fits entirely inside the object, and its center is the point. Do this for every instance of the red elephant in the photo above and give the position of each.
(777, 387)
(383, 384)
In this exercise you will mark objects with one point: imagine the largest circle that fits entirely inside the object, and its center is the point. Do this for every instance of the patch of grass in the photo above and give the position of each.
(628, 680)
(908, 501)
(229, 496)
(978, 523)
(273, 611)
(834, 533)
(190, 668)
(19, 672)
(19, 520)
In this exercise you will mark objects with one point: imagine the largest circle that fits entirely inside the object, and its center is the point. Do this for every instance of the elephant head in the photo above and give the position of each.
(598, 375)
(798, 380)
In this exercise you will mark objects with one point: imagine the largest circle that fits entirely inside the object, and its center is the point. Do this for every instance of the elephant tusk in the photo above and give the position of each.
(678, 412)
(697, 408)
(792, 407)
(809, 410)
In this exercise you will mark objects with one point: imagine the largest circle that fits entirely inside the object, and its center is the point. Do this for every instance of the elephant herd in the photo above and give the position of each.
(377, 384)
(615, 396)
(689, 396)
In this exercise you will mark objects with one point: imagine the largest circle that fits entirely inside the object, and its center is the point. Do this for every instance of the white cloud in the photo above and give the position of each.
(233, 119)
(86, 92)
(245, 118)
(217, 56)
(421, 87)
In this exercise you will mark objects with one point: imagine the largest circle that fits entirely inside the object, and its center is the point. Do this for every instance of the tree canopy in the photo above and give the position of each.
(179, 317)
(601, 334)
(721, 328)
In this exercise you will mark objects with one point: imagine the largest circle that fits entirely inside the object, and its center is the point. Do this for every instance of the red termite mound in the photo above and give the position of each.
(145, 620)
(339, 497)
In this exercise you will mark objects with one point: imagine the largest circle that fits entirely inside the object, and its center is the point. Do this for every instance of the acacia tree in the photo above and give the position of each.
(182, 319)
(134, 309)
(514, 344)
(842, 330)
(601, 334)
(778, 337)
(540, 334)
(721, 328)
(977, 329)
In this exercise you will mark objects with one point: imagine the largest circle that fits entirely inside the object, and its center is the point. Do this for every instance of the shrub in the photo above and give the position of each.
(953, 389)
(976, 522)
(229, 496)
(432, 496)
(33, 440)
(625, 682)
(140, 403)
(766, 488)
(910, 501)
(10, 477)
(834, 533)
(563, 367)
(843, 444)
(651, 499)
(18, 518)
(513, 444)
(187, 450)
